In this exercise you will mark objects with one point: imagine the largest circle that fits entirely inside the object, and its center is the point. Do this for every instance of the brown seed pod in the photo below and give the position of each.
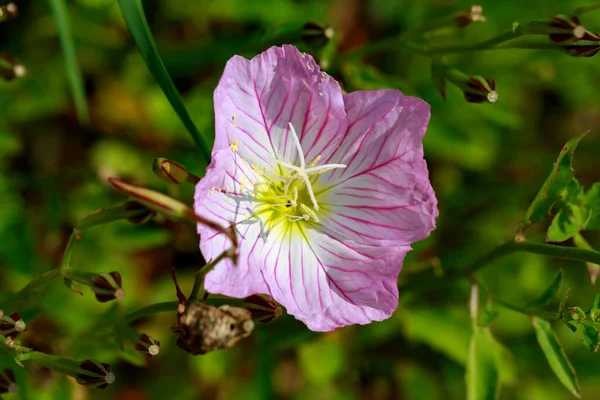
(203, 328)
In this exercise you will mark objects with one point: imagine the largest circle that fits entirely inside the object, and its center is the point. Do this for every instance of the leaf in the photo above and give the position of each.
(482, 375)
(133, 14)
(551, 191)
(63, 27)
(592, 201)
(556, 355)
(488, 314)
(550, 292)
(573, 215)
(589, 335)
(593, 269)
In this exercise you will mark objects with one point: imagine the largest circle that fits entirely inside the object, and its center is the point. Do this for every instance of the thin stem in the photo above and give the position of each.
(429, 281)
(170, 306)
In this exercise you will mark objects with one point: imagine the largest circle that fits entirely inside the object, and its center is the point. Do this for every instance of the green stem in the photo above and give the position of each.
(27, 296)
(170, 306)
(586, 9)
(429, 281)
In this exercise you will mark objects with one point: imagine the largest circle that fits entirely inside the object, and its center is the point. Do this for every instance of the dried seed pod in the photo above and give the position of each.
(203, 328)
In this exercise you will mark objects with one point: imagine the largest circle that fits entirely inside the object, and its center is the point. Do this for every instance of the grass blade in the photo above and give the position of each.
(133, 14)
(63, 27)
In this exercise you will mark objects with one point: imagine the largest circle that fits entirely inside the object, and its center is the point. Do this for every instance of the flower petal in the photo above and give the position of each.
(257, 99)
(224, 195)
(327, 282)
(383, 196)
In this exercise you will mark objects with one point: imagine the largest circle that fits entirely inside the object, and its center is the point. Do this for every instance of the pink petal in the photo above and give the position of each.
(383, 197)
(219, 196)
(257, 99)
(327, 282)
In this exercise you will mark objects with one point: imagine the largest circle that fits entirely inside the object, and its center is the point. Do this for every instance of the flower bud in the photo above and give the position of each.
(106, 285)
(148, 345)
(262, 309)
(589, 49)
(11, 326)
(480, 90)
(93, 374)
(577, 314)
(8, 11)
(467, 17)
(170, 171)
(10, 68)
(314, 33)
(8, 383)
(574, 31)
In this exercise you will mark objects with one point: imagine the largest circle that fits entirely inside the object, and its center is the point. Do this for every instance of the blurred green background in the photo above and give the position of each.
(487, 162)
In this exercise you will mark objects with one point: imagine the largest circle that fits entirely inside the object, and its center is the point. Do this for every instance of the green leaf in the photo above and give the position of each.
(133, 14)
(552, 190)
(592, 201)
(572, 216)
(550, 292)
(589, 335)
(483, 374)
(556, 356)
(63, 27)
(593, 269)
(488, 314)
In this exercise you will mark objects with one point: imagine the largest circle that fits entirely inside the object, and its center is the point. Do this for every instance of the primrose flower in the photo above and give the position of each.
(326, 191)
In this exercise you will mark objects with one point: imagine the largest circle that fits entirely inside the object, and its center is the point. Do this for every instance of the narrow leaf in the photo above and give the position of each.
(556, 356)
(550, 292)
(592, 201)
(551, 191)
(63, 27)
(589, 335)
(133, 14)
(483, 375)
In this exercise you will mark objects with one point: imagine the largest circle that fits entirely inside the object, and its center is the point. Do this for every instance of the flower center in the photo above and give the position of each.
(291, 194)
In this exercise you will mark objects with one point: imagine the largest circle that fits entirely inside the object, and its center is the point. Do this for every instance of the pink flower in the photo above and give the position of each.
(327, 191)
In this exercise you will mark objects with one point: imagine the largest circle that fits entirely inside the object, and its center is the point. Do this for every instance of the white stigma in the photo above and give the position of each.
(302, 172)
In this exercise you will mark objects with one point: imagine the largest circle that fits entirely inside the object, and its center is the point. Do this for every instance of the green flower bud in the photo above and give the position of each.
(577, 314)
(314, 33)
(480, 90)
(170, 171)
(573, 30)
(262, 309)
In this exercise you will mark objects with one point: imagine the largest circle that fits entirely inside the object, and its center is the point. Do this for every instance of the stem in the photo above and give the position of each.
(586, 9)
(27, 295)
(144, 312)
(429, 281)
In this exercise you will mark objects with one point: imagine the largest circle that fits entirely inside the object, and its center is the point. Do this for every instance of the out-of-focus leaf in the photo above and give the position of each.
(445, 330)
(133, 14)
(593, 269)
(328, 354)
(556, 356)
(365, 77)
(592, 199)
(551, 191)
(550, 292)
(483, 375)
(487, 315)
(589, 335)
(63, 27)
